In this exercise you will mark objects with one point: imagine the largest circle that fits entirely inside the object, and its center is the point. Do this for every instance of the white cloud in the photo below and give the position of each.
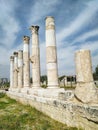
(82, 20)
(66, 57)
(42, 8)
(8, 22)
(91, 46)
(85, 36)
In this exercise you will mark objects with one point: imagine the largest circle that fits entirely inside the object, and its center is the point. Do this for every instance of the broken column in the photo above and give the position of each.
(20, 69)
(11, 72)
(35, 58)
(15, 69)
(26, 63)
(86, 90)
(51, 53)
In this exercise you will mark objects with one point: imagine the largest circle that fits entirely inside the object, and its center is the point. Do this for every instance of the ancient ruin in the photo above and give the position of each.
(35, 58)
(77, 107)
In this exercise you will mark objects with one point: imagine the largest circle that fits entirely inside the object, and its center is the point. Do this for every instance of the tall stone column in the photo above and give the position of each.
(86, 90)
(15, 69)
(20, 69)
(11, 72)
(26, 64)
(51, 52)
(35, 58)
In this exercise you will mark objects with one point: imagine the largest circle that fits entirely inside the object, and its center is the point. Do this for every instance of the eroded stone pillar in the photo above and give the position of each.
(26, 63)
(11, 72)
(35, 58)
(86, 90)
(20, 69)
(15, 69)
(51, 53)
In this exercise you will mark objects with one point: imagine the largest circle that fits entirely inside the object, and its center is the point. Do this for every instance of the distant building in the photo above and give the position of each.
(68, 81)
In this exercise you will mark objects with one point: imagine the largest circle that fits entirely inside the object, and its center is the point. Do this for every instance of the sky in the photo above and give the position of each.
(76, 24)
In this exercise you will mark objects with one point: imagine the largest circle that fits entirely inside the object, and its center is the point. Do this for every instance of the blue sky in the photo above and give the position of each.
(76, 28)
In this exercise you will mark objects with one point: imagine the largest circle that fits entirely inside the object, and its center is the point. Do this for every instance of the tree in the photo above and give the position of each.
(95, 74)
(43, 78)
(96, 70)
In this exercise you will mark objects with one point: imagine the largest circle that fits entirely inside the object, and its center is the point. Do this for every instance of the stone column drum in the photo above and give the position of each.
(35, 58)
(15, 69)
(20, 69)
(51, 53)
(11, 72)
(86, 90)
(26, 63)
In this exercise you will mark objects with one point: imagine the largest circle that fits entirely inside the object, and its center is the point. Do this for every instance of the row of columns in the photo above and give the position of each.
(20, 65)
(20, 62)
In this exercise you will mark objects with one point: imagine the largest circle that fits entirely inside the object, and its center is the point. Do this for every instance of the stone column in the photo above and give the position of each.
(11, 72)
(35, 58)
(26, 64)
(20, 69)
(86, 90)
(15, 69)
(52, 69)
(65, 80)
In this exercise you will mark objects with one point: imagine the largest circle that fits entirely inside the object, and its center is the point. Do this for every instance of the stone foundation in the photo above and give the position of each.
(62, 107)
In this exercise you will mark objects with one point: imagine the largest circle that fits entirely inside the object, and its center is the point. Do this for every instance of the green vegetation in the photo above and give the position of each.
(15, 116)
(95, 74)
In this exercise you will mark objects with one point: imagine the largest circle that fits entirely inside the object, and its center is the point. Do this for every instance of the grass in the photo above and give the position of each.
(15, 116)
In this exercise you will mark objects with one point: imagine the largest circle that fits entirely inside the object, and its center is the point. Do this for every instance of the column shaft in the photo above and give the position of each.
(86, 90)
(35, 58)
(26, 64)
(11, 72)
(51, 52)
(20, 69)
(84, 66)
(15, 69)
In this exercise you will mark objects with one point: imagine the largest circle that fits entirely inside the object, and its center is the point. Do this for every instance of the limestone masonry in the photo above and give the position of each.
(77, 107)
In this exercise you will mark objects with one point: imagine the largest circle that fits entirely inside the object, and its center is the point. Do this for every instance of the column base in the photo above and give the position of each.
(87, 92)
(47, 93)
(36, 86)
(25, 90)
(13, 89)
(53, 86)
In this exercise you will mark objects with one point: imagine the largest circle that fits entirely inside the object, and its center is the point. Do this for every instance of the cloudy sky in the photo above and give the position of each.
(76, 28)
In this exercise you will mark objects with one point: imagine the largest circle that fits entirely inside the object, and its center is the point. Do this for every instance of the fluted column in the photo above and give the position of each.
(11, 72)
(20, 69)
(15, 69)
(35, 58)
(26, 63)
(51, 52)
(86, 90)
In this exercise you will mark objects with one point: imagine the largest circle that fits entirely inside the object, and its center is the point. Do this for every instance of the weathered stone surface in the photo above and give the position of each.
(11, 72)
(35, 58)
(52, 69)
(86, 90)
(20, 69)
(26, 65)
(15, 69)
(68, 112)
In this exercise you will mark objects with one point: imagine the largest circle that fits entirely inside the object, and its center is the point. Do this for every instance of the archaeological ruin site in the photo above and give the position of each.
(77, 107)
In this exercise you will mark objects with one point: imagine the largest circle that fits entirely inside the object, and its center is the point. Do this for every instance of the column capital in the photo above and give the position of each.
(15, 53)
(26, 39)
(34, 29)
(20, 51)
(49, 17)
(50, 24)
(11, 58)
